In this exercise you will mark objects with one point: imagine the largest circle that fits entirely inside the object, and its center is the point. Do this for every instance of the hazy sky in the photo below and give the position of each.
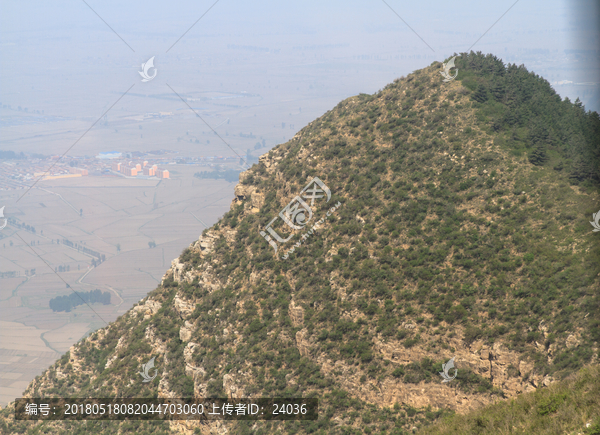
(64, 57)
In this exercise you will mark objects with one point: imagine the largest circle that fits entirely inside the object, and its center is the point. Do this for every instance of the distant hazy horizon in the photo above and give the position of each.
(58, 56)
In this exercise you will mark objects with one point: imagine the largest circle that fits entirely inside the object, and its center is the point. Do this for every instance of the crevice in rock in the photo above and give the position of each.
(491, 358)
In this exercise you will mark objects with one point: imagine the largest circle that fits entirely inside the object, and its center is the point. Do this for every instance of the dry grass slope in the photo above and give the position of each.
(569, 407)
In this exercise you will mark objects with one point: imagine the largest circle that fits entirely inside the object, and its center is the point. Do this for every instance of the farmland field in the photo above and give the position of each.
(117, 212)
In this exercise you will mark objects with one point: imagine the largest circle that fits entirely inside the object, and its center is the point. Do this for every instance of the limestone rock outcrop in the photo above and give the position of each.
(183, 307)
(296, 314)
(303, 342)
(186, 331)
(147, 309)
(158, 346)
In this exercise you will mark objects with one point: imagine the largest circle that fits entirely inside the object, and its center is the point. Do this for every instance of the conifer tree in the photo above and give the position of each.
(538, 156)
(481, 94)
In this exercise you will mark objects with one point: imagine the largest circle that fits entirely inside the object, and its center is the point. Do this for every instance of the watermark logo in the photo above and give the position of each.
(297, 214)
(595, 223)
(446, 72)
(6, 220)
(145, 68)
(146, 373)
(446, 368)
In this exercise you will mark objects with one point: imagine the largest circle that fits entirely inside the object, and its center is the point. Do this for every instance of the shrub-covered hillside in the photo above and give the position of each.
(458, 226)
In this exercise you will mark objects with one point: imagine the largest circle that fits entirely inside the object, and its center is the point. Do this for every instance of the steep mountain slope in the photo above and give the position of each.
(448, 220)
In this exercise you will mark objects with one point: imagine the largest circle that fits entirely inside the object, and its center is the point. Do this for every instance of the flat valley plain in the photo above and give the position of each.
(117, 213)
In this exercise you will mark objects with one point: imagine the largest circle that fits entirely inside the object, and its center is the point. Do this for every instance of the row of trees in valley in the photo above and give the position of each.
(67, 302)
(230, 175)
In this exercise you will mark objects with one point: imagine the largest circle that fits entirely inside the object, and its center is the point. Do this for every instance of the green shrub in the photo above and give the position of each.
(551, 404)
